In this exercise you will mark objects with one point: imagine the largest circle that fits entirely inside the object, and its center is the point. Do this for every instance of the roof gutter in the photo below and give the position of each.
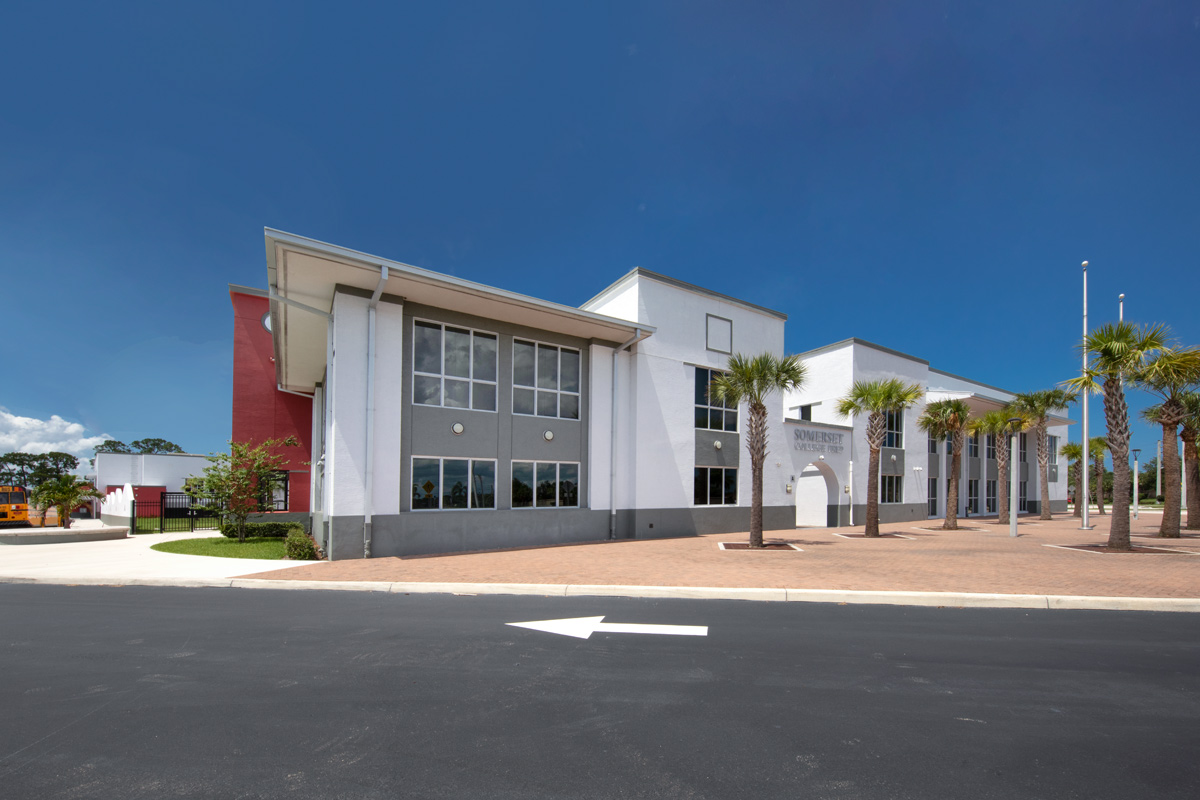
(369, 498)
(638, 336)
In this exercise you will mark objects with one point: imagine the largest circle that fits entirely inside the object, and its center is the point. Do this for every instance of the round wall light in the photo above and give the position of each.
(548, 436)
(457, 428)
(717, 444)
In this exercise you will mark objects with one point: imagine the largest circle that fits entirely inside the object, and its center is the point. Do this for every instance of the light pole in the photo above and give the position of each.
(850, 492)
(1121, 308)
(1136, 482)
(1012, 484)
(1158, 473)
(1084, 401)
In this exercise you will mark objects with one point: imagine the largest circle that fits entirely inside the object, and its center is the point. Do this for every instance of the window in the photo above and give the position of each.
(949, 445)
(1052, 448)
(453, 483)
(1024, 503)
(279, 494)
(891, 489)
(973, 446)
(990, 488)
(1024, 447)
(933, 501)
(990, 447)
(711, 415)
(545, 484)
(894, 436)
(933, 445)
(714, 486)
(719, 334)
(972, 496)
(453, 367)
(806, 413)
(545, 380)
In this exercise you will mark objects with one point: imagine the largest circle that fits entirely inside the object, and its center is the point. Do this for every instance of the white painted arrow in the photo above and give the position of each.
(584, 627)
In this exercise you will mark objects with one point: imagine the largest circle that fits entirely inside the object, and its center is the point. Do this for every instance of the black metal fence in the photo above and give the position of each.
(176, 512)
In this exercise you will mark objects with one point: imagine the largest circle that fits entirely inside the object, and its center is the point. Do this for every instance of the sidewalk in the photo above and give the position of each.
(978, 565)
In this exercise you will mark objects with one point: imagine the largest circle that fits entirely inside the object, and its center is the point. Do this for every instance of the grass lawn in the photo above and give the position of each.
(150, 525)
(254, 547)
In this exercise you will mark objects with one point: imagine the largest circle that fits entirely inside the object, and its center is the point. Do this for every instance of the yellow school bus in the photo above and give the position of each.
(14, 506)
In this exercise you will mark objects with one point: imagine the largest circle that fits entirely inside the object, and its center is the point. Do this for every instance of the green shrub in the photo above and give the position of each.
(262, 530)
(300, 546)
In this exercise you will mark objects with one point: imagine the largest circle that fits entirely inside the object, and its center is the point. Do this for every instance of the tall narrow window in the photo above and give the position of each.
(990, 488)
(454, 367)
(1024, 499)
(1024, 447)
(933, 498)
(973, 446)
(894, 436)
(933, 444)
(711, 414)
(891, 489)
(973, 496)
(546, 380)
(990, 447)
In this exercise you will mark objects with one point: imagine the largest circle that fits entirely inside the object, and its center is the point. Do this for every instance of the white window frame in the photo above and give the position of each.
(535, 388)
(471, 380)
(709, 408)
(973, 495)
(933, 496)
(991, 490)
(989, 447)
(898, 432)
(1023, 496)
(933, 445)
(736, 491)
(558, 465)
(973, 446)
(1052, 448)
(897, 483)
(442, 482)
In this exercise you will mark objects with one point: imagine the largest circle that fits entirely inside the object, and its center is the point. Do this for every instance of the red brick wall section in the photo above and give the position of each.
(260, 411)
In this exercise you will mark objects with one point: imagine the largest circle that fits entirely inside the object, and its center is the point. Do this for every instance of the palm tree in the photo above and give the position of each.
(1097, 449)
(996, 424)
(65, 493)
(1035, 407)
(1168, 376)
(1073, 451)
(1117, 353)
(752, 379)
(1191, 452)
(949, 419)
(876, 399)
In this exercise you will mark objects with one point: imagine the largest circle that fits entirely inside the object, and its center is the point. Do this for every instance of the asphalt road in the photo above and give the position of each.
(147, 692)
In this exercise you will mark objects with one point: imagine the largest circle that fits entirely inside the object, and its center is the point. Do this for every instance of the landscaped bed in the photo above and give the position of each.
(254, 547)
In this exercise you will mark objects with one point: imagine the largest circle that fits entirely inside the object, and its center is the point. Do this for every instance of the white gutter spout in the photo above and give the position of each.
(369, 489)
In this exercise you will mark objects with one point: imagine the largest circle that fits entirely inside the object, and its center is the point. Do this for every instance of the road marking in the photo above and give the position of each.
(584, 627)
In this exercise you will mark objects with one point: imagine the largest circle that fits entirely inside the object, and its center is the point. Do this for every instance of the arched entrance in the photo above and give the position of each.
(818, 495)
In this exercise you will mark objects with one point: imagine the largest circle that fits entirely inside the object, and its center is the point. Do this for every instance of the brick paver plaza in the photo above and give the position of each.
(980, 557)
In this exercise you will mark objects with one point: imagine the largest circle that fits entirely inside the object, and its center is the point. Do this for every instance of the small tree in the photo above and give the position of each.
(949, 419)
(1097, 448)
(154, 446)
(752, 379)
(242, 480)
(1074, 455)
(1036, 407)
(65, 494)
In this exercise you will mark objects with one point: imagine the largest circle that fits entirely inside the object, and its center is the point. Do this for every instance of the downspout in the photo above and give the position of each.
(369, 490)
(612, 451)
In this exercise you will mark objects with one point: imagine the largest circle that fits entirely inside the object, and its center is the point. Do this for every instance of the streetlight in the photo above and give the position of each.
(1084, 402)
(1121, 308)
(1012, 492)
(1136, 482)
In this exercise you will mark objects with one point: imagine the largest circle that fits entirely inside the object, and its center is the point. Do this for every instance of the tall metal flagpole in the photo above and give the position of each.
(1086, 441)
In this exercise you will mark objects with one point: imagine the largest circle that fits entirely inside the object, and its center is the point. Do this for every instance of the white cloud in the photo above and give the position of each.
(31, 435)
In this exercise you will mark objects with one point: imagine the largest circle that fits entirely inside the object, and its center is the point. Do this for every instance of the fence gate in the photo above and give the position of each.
(176, 512)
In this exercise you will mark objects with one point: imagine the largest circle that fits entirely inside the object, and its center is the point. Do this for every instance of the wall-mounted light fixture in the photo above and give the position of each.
(717, 444)
(893, 459)
(457, 428)
(548, 436)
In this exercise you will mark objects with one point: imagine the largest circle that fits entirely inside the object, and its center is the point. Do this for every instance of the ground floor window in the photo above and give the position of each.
(891, 489)
(972, 496)
(990, 488)
(714, 486)
(446, 483)
(1024, 497)
(933, 482)
(545, 484)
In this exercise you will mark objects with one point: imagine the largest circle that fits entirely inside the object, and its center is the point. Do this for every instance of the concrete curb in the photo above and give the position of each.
(849, 597)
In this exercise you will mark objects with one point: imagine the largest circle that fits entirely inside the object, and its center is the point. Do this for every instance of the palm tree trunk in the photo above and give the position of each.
(1116, 414)
(1190, 453)
(951, 523)
(756, 443)
(1078, 478)
(1098, 477)
(1043, 457)
(1002, 456)
(1171, 499)
(873, 493)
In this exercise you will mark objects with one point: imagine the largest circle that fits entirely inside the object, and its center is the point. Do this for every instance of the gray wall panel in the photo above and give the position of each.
(709, 456)
(886, 465)
(973, 468)
(935, 466)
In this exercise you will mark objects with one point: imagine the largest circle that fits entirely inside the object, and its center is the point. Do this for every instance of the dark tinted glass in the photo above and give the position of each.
(701, 386)
(522, 484)
(483, 484)
(485, 357)
(700, 486)
(568, 406)
(546, 479)
(456, 480)
(484, 398)
(523, 401)
(570, 371)
(523, 355)
(425, 483)
(568, 485)
(427, 348)
(547, 377)
(731, 487)
(715, 486)
(458, 352)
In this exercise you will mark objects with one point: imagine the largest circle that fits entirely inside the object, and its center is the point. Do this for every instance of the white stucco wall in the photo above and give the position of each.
(169, 470)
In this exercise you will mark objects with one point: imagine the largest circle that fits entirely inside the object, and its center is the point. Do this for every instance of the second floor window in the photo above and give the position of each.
(990, 446)
(894, 435)
(711, 414)
(545, 380)
(453, 367)
(973, 446)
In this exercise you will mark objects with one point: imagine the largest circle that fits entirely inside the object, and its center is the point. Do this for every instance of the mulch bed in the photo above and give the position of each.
(959, 528)
(880, 536)
(766, 546)
(1137, 548)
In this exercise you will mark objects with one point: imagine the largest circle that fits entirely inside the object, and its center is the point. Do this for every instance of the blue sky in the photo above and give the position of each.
(927, 175)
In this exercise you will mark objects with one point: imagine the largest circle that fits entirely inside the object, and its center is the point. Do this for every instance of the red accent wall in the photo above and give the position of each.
(260, 411)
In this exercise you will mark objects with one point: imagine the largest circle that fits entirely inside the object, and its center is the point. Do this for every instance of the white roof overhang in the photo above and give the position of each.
(980, 404)
(303, 274)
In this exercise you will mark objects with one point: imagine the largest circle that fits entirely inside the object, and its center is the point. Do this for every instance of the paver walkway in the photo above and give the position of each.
(981, 560)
